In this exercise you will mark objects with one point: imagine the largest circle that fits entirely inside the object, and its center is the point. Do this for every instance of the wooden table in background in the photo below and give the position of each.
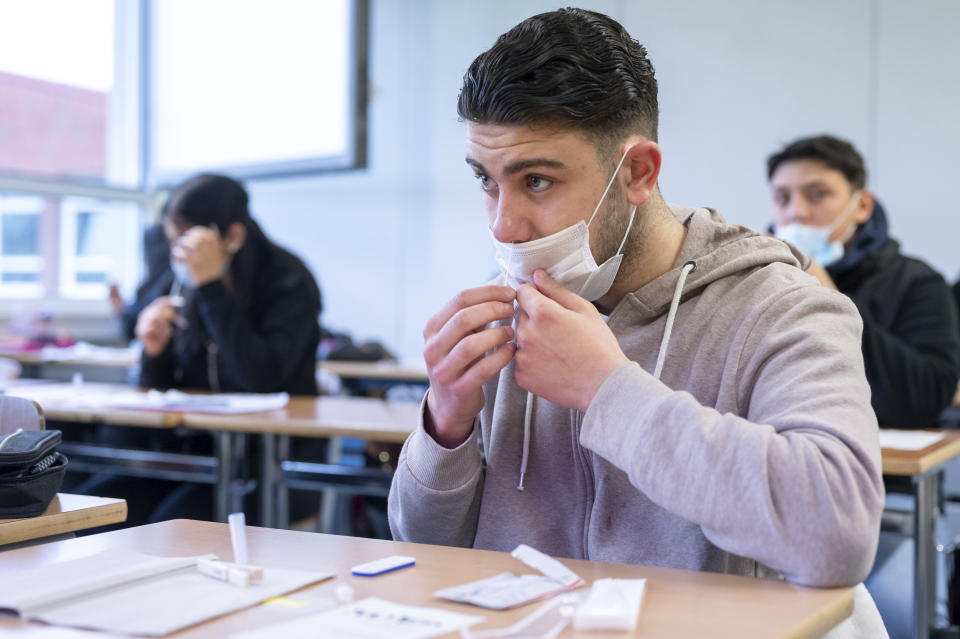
(390, 371)
(678, 604)
(326, 417)
(66, 513)
(322, 417)
(923, 467)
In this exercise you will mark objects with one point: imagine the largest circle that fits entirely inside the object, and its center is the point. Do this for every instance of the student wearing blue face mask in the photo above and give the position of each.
(911, 346)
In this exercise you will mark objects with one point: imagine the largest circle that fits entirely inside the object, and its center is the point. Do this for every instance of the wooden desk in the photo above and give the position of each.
(678, 604)
(324, 417)
(66, 513)
(923, 467)
(64, 402)
(99, 356)
(361, 417)
(391, 371)
(328, 417)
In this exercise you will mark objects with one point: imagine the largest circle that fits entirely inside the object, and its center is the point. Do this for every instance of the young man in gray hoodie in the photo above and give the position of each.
(697, 401)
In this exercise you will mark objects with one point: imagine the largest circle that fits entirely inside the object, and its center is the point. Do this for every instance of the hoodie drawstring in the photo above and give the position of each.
(688, 267)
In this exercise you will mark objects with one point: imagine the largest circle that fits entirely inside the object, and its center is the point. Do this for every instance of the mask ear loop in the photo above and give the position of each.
(847, 212)
(609, 184)
(633, 214)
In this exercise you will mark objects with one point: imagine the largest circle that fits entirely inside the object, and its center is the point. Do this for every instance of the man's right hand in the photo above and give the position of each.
(155, 325)
(455, 347)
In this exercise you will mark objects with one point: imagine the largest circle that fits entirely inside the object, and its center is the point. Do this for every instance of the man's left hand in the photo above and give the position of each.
(565, 349)
(821, 274)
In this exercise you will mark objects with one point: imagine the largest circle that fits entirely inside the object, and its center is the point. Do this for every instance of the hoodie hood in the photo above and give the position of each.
(719, 250)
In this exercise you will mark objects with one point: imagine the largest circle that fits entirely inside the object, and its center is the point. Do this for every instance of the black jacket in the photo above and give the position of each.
(911, 344)
(262, 332)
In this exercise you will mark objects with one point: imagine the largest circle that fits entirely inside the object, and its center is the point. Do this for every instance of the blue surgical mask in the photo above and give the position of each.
(815, 240)
(181, 272)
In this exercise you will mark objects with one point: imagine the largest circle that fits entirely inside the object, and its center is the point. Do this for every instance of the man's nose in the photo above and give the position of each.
(797, 210)
(510, 224)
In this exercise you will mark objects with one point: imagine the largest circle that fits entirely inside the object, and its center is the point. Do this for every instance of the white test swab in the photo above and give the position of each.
(238, 537)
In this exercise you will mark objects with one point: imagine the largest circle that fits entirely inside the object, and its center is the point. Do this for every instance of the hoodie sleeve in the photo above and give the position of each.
(435, 494)
(793, 479)
(913, 365)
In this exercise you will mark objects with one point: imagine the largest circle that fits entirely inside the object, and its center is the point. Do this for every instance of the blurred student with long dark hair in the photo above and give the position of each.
(240, 314)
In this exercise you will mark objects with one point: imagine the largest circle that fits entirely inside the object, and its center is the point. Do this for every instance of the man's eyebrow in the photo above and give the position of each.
(522, 165)
(476, 165)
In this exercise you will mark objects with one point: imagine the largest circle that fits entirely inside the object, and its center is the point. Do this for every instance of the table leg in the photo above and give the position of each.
(328, 507)
(925, 553)
(269, 473)
(221, 502)
(238, 479)
(283, 493)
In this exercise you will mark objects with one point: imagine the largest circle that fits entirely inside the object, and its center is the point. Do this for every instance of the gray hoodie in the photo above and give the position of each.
(756, 449)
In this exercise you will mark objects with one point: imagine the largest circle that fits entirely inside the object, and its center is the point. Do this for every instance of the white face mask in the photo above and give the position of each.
(815, 240)
(565, 256)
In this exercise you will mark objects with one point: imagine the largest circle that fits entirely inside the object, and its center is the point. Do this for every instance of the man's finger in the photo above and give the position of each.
(464, 322)
(532, 302)
(557, 292)
(469, 297)
(488, 366)
(469, 350)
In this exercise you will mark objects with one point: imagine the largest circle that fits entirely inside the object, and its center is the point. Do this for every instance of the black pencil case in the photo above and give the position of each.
(31, 472)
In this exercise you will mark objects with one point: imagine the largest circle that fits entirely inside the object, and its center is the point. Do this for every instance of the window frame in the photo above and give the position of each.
(355, 157)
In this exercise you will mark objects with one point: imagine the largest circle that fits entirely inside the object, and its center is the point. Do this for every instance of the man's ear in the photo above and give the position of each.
(643, 168)
(235, 237)
(864, 207)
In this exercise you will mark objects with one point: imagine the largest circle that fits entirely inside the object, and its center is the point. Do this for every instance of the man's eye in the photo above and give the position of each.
(537, 183)
(816, 196)
(485, 182)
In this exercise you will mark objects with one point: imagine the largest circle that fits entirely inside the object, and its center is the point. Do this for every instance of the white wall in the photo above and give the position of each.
(737, 79)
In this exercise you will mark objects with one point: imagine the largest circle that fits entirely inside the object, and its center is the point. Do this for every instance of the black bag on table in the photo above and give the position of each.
(31, 467)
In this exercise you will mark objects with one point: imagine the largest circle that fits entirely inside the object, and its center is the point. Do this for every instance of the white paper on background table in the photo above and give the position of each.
(908, 439)
(94, 396)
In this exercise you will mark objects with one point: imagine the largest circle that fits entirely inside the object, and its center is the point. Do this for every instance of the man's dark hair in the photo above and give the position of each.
(569, 68)
(837, 154)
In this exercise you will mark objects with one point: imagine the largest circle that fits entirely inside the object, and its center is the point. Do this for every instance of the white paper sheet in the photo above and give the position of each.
(218, 403)
(160, 599)
(92, 353)
(908, 439)
(370, 618)
(94, 396)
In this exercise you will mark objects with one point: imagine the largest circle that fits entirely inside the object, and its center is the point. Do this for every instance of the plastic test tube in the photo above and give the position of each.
(238, 537)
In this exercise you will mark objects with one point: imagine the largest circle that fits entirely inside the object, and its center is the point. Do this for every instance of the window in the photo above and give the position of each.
(99, 245)
(21, 261)
(66, 96)
(67, 246)
(71, 203)
(244, 87)
(255, 88)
